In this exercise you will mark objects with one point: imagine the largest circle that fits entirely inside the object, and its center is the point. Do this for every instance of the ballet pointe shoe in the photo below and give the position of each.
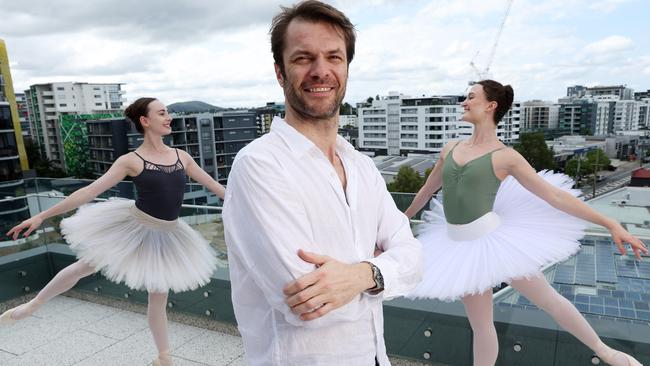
(163, 359)
(6, 319)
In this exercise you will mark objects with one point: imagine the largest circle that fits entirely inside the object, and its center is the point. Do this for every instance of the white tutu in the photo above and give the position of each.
(531, 234)
(144, 252)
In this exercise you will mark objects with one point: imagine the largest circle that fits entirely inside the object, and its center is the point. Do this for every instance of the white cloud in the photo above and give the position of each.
(219, 52)
(610, 44)
(607, 6)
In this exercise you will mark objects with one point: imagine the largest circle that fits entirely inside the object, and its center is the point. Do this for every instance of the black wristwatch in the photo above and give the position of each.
(378, 278)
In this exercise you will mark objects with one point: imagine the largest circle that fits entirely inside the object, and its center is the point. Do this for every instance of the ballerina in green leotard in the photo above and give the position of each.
(502, 222)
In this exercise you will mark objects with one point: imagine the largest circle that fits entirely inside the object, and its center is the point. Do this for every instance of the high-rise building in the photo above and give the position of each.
(642, 95)
(577, 116)
(23, 115)
(264, 116)
(13, 158)
(576, 91)
(644, 113)
(399, 125)
(539, 115)
(604, 117)
(621, 91)
(625, 115)
(212, 139)
(47, 103)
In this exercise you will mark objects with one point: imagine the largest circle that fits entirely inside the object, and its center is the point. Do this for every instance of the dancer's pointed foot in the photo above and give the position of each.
(616, 358)
(23, 311)
(163, 359)
(7, 317)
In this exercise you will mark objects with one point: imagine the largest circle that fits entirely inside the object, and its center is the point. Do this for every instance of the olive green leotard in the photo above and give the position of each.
(468, 191)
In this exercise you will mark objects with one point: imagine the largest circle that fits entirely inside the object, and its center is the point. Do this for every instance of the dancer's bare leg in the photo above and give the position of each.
(479, 313)
(62, 282)
(540, 293)
(157, 316)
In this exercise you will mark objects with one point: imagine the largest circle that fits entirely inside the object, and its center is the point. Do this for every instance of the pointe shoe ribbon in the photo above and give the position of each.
(6, 319)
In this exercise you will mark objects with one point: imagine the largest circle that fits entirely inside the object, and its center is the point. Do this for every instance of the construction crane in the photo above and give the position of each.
(485, 73)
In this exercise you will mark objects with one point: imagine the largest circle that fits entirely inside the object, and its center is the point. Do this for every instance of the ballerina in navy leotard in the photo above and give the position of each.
(141, 243)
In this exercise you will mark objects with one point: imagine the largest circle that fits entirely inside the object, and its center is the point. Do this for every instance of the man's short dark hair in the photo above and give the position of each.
(313, 11)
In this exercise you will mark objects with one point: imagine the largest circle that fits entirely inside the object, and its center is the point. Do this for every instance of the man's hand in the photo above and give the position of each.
(332, 285)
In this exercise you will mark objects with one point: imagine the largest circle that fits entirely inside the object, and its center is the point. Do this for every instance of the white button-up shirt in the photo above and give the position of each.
(283, 195)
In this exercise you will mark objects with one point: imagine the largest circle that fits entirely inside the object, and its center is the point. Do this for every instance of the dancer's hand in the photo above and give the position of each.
(29, 224)
(332, 285)
(621, 236)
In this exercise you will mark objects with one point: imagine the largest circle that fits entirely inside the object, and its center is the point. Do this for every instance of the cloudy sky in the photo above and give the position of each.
(219, 51)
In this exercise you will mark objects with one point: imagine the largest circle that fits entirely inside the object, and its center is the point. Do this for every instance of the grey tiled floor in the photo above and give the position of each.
(69, 331)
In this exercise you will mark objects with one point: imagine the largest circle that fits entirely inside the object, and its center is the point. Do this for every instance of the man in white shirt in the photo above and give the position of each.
(303, 213)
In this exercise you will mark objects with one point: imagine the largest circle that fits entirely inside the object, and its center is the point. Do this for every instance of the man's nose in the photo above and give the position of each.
(319, 68)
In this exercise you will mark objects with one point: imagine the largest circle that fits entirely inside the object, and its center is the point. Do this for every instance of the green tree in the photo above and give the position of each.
(406, 181)
(43, 166)
(597, 157)
(591, 164)
(534, 149)
(369, 100)
(347, 109)
(571, 167)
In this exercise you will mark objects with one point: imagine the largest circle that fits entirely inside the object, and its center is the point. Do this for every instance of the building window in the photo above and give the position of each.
(409, 119)
(62, 105)
(409, 128)
(409, 144)
(98, 104)
(374, 119)
(409, 136)
(434, 145)
(60, 88)
(375, 143)
(374, 135)
(433, 128)
(97, 96)
(374, 111)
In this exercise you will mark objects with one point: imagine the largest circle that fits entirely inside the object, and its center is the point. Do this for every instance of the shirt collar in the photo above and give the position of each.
(301, 145)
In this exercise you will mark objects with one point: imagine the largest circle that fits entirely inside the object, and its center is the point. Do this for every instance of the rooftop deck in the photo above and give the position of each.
(88, 330)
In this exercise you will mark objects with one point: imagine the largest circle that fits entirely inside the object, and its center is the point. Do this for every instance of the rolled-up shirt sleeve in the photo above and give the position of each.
(401, 261)
(266, 223)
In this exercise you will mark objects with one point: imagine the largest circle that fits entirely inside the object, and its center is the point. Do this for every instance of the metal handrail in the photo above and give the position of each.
(51, 195)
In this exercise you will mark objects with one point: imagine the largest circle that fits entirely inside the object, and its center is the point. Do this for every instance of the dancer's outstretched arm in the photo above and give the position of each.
(195, 172)
(433, 184)
(512, 163)
(117, 172)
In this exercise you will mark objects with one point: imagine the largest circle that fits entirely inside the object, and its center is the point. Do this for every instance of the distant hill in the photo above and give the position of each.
(194, 106)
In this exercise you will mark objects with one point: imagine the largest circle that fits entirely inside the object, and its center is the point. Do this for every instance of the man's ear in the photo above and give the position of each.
(278, 74)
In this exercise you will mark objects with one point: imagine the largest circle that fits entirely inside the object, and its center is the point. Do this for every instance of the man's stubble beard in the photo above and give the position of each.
(307, 113)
